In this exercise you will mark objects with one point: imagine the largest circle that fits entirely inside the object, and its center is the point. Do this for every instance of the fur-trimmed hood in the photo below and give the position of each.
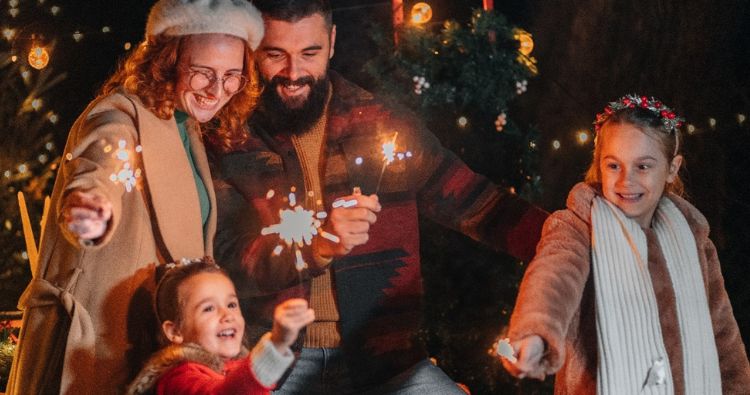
(167, 358)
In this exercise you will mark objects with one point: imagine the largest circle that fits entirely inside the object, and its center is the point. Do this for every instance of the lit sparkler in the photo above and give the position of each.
(504, 349)
(296, 228)
(389, 156)
(124, 173)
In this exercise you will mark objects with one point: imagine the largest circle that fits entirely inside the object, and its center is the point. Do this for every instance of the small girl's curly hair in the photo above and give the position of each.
(167, 305)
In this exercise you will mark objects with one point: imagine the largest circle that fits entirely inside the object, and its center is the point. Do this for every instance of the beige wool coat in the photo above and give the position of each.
(556, 300)
(88, 323)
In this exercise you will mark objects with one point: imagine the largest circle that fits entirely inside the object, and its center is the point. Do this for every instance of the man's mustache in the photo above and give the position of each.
(280, 80)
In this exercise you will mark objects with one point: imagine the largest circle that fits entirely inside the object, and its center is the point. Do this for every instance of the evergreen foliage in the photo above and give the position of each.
(460, 78)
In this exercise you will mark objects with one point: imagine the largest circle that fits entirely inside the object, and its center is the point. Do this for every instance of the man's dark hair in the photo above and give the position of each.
(294, 10)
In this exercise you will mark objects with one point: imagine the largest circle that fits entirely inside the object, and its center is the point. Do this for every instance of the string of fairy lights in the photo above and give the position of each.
(36, 51)
(31, 31)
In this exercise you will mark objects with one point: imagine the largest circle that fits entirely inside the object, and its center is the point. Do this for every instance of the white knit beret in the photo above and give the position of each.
(237, 18)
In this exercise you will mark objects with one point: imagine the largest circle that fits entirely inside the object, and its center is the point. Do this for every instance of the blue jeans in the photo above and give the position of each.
(324, 371)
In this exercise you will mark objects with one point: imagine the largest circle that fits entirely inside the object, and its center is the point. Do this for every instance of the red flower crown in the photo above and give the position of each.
(669, 119)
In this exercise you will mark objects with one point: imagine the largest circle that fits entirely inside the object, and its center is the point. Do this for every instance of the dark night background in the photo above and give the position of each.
(692, 54)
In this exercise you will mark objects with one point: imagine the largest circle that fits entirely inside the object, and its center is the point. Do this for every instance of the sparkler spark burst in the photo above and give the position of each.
(389, 156)
(389, 151)
(296, 228)
(124, 173)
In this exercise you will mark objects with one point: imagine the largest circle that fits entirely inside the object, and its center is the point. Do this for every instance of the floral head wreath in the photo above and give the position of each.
(669, 119)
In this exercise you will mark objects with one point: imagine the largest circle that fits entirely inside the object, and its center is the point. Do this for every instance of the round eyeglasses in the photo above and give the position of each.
(202, 79)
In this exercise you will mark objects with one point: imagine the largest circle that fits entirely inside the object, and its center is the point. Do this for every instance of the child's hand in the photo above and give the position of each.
(288, 318)
(529, 352)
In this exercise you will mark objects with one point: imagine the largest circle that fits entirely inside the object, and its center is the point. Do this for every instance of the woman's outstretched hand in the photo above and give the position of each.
(86, 215)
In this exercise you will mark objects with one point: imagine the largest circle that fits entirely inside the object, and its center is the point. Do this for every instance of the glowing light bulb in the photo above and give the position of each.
(9, 33)
(421, 13)
(38, 57)
(556, 144)
(526, 45)
(583, 137)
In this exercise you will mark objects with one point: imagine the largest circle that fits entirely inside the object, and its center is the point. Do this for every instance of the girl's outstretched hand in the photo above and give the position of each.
(529, 353)
(289, 318)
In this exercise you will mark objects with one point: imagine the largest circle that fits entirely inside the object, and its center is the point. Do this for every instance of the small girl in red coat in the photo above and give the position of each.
(625, 294)
(200, 316)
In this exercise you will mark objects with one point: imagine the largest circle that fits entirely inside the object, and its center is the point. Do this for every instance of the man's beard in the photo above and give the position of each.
(297, 116)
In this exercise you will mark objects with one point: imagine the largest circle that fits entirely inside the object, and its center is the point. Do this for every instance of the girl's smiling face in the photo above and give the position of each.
(634, 170)
(210, 315)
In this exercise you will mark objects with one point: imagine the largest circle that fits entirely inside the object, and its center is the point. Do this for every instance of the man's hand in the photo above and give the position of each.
(289, 318)
(350, 221)
(86, 215)
(529, 352)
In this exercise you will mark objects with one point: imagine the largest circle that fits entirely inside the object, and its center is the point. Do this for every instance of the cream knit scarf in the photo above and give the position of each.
(632, 356)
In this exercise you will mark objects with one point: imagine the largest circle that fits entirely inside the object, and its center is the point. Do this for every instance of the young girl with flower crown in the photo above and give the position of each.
(625, 294)
(199, 313)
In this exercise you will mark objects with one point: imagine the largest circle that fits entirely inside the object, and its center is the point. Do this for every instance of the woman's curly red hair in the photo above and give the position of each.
(150, 73)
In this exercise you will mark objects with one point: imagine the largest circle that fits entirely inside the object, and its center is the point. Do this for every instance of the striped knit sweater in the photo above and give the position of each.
(378, 285)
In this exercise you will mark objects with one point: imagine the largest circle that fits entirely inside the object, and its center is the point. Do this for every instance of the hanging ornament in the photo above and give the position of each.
(420, 84)
(38, 57)
(501, 121)
(521, 86)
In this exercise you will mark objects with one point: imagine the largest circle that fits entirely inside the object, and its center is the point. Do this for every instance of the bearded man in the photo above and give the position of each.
(320, 137)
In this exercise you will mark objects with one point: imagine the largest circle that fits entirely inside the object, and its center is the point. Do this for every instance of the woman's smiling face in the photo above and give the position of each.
(214, 55)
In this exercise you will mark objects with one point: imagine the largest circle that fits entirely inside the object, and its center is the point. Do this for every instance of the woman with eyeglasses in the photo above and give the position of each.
(134, 190)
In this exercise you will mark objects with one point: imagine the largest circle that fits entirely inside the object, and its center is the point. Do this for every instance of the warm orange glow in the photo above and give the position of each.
(421, 13)
(526, 42)
(38, 57)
